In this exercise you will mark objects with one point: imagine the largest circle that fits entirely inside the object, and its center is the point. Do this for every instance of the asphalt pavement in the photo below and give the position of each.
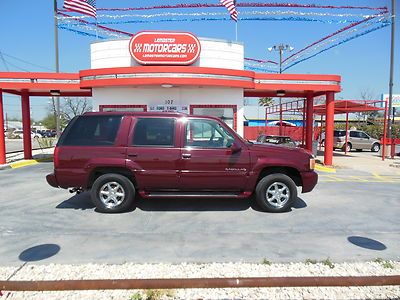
(344, 220)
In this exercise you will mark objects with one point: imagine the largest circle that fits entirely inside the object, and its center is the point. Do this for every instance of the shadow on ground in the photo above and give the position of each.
(39, 252)
(366, 243)
(82, 202)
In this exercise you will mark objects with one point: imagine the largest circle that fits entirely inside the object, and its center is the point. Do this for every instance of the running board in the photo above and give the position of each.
(193, 195)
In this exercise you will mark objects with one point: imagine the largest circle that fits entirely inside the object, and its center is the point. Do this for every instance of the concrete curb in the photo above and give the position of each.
(325, 169)
(25, 163)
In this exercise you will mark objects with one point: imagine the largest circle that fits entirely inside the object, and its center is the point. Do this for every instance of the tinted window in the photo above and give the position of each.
(154, 132)
(207, 134)
(355, 134)
(364, 135)
(93, 131)
(338, 133)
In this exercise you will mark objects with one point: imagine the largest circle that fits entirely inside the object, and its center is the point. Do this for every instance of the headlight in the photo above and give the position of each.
(312, 163)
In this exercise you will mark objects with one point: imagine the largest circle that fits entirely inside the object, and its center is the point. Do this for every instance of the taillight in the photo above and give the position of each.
(56, 150)
(312, 163)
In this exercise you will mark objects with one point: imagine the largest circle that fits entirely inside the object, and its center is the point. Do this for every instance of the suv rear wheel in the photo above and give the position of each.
(276, 192)
(112, 193)
(348, 147)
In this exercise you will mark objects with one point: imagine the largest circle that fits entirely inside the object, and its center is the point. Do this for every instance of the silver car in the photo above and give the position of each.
(356, 139)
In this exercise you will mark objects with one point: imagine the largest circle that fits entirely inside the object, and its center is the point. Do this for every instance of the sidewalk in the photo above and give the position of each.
(369, 162)
(16, 160)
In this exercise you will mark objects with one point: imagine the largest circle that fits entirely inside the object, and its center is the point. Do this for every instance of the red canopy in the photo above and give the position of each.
(351, 106)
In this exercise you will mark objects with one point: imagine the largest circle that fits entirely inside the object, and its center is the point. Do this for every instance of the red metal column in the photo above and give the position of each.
(347, 132)
(384, 131)
(280, 116)
(304, 124)
(26, 124)
(2, 139)
(309, 121)
(329, 124)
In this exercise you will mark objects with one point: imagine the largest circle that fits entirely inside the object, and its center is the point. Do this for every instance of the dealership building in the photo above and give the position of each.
(171, 71)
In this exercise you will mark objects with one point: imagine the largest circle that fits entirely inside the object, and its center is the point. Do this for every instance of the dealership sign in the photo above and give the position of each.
(395, 99)
(164, 48)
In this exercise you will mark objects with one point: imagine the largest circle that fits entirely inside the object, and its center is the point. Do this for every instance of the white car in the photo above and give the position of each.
(19, 134)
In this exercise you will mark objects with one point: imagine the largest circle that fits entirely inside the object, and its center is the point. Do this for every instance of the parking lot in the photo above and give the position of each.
(351, 215)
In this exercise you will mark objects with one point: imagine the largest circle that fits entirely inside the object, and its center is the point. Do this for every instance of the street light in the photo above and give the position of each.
(280, 48)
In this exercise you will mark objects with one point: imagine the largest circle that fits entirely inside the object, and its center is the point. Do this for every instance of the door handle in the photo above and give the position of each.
(186, 155)
(132, 155)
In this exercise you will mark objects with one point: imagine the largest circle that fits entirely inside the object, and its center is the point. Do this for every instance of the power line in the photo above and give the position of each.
(25, 61)
(4, 61)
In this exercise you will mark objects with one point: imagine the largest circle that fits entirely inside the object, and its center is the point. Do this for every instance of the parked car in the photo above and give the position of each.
(19, 134)
(170, 155)
(49, 133)
(277, 140)
(356, 139)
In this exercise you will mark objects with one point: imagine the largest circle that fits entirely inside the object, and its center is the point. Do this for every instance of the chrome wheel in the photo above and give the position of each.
(112, 194)
(278, 194)
(375, 148)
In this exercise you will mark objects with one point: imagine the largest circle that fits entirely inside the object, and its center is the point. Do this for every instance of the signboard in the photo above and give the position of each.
(164, 48)
(395, 99)
(170, 108)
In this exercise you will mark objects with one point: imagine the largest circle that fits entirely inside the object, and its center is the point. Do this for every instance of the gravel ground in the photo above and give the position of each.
(185, 270)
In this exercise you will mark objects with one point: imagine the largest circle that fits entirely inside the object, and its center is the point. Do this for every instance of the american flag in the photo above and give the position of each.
(231, 6)
(86, 7)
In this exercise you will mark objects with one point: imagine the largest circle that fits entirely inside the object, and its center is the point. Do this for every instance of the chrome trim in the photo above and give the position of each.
(167, 75)
(288, 81)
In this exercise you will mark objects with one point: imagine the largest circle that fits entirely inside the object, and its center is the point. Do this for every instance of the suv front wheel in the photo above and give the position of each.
(276, 192)
(112, 193)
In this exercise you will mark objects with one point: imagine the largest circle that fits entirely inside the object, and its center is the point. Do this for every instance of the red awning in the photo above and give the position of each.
(351, 106)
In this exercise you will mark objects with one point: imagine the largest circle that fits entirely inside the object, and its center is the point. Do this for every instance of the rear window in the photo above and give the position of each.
(92, 131)
(154, 132)
(338, 133)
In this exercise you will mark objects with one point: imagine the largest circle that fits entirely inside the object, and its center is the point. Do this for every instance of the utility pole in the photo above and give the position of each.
(280, 48)
(391, 111)
(58, 129)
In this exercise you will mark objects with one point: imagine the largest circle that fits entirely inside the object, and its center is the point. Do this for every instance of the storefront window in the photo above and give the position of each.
(131, 108)
(226, 114)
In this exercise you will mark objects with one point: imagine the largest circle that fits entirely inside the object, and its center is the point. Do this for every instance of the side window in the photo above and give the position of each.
(154, 132)
(354, 134)
(207, 134)
(364, 135)
(93, 131)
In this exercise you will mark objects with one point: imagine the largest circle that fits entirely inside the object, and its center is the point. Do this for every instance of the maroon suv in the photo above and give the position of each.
(168, 155)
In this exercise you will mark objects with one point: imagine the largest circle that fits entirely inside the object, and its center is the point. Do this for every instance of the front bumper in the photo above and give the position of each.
(52, 180)
(309, 179)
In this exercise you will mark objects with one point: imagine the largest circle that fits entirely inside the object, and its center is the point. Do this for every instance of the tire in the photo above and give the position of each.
(348, 147)
(265, 188)
(122, 193)
(376, 147)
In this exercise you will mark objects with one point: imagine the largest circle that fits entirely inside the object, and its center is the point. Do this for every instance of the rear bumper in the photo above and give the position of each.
(310, 180)
(52, 180)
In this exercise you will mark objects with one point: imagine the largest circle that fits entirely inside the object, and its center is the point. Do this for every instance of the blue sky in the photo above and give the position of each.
(26, 28)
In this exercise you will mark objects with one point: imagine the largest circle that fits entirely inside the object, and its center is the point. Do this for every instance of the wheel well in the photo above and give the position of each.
(96, 173)
(291, 172)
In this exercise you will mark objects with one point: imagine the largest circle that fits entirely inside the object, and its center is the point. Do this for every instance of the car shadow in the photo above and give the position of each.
(78, 201)
(82, 201)
(201, 204)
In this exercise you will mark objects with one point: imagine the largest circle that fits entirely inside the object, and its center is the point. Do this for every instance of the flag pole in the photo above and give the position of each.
(58, 131)
(236, 31)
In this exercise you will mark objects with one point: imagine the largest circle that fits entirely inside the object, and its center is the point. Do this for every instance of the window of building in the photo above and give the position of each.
(226, 113)
(154, 132)
(117, 107)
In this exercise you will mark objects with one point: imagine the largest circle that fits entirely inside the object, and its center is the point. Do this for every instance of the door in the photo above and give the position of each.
(208, 163)
(365, 141)
(153, 154)
(355, 140)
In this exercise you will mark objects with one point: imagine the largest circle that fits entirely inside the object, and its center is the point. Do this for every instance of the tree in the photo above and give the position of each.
(75, 106)
(367, 94)
(265, 101)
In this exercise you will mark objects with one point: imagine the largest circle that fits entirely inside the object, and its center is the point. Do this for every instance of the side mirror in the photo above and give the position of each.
(235, 148)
